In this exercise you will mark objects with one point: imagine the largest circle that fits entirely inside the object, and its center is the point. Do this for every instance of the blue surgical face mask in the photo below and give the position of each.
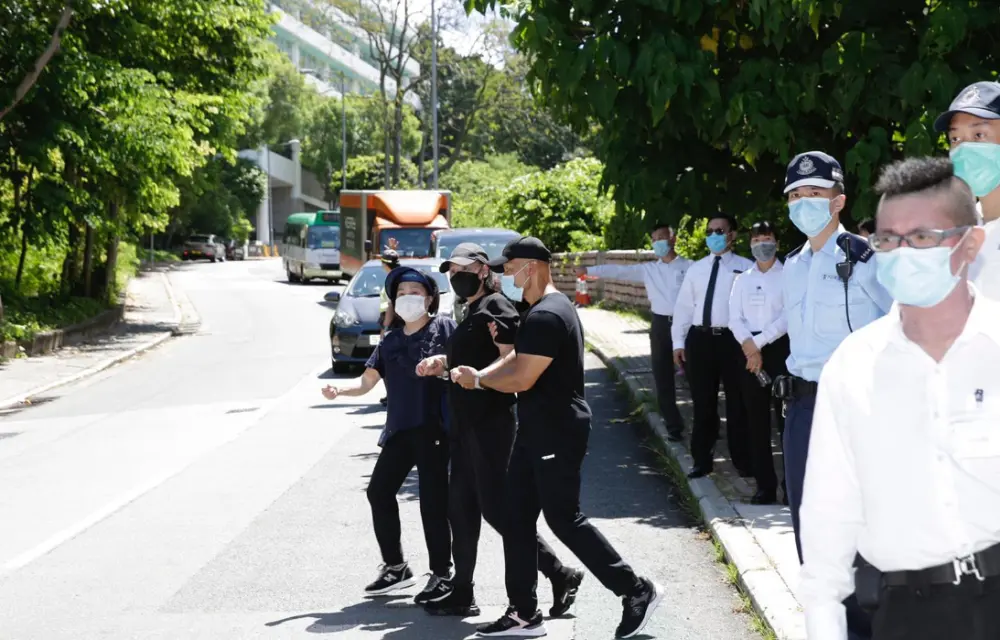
(918, 277)
(810, 215)
(661, 248)
(978, 164)
(511, 290)
(716, 243)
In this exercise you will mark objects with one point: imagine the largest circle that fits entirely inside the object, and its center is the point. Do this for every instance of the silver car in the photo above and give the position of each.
(207, 247)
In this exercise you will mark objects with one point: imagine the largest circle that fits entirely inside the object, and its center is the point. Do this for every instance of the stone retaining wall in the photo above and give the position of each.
(49, 341)
(625, 293)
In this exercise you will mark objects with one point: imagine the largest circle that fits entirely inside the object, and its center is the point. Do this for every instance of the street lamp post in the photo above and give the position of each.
(343, 133)
(434, 96)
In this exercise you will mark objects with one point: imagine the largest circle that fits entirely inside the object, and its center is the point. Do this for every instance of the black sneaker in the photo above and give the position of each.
(564, 590)
(391, 579)
(514, 626)
(437, 589)
(638, 608)
(461, 602)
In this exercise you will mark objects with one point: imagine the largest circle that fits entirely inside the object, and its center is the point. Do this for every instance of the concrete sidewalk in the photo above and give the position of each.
(757, 539)
(154, 311)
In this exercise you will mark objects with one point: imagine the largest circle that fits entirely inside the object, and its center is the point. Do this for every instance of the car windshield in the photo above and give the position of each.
(492, 244)
(323, 238)
(199, 239)
(413, 243)
(371, 280)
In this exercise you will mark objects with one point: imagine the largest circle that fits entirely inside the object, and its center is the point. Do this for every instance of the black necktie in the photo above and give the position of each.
(706, 316)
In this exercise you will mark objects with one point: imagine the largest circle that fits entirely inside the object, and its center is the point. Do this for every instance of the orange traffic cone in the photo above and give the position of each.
(582, 297)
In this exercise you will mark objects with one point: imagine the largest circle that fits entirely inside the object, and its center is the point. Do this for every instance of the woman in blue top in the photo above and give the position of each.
(414, 432)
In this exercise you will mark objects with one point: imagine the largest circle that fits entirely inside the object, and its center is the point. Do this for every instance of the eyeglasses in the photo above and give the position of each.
(717, 231)
(919, 239)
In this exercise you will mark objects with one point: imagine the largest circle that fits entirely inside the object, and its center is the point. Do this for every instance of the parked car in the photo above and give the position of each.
(235, 250)
(492, 240)
(354, 328)
(204, 247)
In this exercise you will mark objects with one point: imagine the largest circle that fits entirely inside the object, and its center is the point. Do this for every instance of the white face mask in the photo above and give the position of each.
(410, 307)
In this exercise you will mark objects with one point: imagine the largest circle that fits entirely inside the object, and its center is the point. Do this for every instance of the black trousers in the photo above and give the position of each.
(477, 490)
(546, 479)
(427, 449)
(661, 352)
(969, 611)
(711, 357)
(759, 401)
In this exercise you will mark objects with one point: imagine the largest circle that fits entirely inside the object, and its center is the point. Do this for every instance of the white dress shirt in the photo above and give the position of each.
(691, 300)
(756, 306)
(662, 280)
(904, 459)
(985, 270)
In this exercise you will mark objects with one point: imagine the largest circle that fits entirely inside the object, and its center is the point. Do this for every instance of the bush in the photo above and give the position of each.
(563, 206)
(368, 172)
(478, 188)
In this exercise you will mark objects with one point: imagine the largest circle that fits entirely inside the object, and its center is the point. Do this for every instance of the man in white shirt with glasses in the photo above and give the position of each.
(904, 460)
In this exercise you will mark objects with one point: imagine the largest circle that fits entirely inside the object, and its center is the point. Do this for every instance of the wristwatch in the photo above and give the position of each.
(478, 378)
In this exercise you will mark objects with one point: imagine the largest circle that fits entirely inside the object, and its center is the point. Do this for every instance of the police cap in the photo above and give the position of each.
(813, 169)
(980, 99)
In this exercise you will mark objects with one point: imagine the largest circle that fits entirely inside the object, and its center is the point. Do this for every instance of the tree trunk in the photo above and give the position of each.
(24, 254)
(398, 138)
(88, 261)
(71, 272)
(36, 70)
(111, 262)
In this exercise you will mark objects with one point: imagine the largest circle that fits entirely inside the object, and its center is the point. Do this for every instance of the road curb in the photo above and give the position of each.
(771, 597)
(186, 318)
(24, 398)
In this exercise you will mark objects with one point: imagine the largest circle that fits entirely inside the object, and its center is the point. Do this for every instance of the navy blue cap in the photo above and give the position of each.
(813, 169)
(980, 99)
(409, 274)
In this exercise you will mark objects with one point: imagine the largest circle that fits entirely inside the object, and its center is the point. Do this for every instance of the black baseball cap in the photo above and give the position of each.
(465, 254)
(523, 248)
(813, 169)
(980, 99)
(390, 257)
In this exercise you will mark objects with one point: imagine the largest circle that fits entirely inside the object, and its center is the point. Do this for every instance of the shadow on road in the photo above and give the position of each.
(393, 619)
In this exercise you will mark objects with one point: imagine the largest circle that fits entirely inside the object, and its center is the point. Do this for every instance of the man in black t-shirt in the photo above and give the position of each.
(546, 371)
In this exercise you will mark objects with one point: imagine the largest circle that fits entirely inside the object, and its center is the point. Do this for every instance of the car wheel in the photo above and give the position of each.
(212, 260)
(340, 368)
(292, 278)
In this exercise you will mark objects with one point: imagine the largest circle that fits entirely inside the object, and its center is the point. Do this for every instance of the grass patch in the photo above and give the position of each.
(160, 255)
(669, 467)
(634, 313)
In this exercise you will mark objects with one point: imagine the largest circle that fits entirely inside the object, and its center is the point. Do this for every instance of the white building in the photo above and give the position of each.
(330, 51)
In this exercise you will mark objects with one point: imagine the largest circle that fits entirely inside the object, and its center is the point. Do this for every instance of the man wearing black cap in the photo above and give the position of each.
(482, 433)
(829, 290)
(972, 123)
(546, 371)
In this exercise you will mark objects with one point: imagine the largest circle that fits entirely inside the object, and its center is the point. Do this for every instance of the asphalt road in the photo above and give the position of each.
(207, 490)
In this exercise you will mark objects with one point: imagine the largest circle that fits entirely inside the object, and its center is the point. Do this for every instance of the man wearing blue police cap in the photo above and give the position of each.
(972, 123)
(829, 290)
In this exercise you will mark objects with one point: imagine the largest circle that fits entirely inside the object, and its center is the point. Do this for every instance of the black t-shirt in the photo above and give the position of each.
(472, 345)
(554, 407)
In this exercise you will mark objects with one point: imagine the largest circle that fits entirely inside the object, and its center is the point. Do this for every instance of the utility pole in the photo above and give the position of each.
(434, 91)
(343, 133)
(270, 210)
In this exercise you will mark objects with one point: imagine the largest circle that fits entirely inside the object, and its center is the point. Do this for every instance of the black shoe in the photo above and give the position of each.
(564, 588)
(699, 471)
(764, 497)
(638, 608)
(437, 589)
(514, 626)
(391, 579)
(461, 602)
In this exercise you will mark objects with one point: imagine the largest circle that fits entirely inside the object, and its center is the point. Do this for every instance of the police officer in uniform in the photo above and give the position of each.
(904, 465)
(830, 289)
(972, 123)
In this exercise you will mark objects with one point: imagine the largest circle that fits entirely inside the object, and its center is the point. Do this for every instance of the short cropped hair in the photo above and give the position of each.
(762, 228)
(661, 225)
(930, 176)
(723, 216)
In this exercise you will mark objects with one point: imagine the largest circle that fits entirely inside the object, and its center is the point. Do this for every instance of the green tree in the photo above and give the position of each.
(479, 186)
(701, 105)
(367, 172)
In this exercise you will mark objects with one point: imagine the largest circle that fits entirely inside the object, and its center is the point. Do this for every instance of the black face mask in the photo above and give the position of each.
(466, 284)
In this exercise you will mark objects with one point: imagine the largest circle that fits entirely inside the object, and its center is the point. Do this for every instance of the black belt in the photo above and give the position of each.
(715, 331)
(980, 566)
(792, 387)
(660, 315)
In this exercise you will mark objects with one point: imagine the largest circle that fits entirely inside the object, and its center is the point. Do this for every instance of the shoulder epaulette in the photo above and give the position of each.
(794, 252)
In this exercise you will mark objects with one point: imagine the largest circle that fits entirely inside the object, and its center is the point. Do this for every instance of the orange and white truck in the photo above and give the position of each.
(369, 220)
